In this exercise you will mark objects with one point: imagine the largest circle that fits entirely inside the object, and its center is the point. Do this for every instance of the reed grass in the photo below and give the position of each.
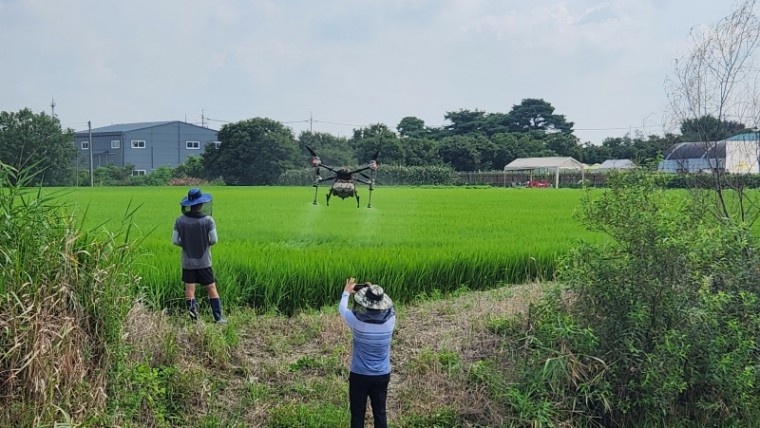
(279, 251)
(62, 305)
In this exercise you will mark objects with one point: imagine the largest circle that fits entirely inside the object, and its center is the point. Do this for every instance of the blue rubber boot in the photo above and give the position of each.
(216, 309)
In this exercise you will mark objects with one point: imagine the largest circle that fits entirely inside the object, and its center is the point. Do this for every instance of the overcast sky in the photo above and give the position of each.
(345, 63)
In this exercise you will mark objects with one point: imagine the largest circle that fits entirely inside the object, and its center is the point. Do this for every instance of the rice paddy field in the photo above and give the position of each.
(279, 252)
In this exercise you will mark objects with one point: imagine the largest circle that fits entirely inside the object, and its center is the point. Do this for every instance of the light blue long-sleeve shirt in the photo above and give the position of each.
(371, 354)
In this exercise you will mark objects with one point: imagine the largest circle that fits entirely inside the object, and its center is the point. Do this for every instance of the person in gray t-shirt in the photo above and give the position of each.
(195, 232)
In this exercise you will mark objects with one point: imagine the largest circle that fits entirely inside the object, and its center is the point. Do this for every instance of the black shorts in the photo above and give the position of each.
(203, 276)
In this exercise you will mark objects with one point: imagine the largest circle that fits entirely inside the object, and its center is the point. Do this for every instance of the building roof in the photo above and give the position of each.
(692, 150)
(617, 164)
(749, 136)
(128, 127)
(539, 163)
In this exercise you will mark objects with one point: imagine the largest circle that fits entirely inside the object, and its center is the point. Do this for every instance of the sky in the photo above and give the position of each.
(337, 65)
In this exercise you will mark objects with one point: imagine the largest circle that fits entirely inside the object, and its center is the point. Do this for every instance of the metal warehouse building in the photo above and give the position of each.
(739, 154)
(146, 145)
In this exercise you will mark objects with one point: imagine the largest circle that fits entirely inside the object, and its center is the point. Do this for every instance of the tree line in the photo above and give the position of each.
(258, 151)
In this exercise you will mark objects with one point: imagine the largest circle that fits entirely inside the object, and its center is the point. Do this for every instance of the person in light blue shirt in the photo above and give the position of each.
(372, 321)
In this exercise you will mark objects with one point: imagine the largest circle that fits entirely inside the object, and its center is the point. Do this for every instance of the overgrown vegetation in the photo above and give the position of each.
(62, 306)
(659, 327)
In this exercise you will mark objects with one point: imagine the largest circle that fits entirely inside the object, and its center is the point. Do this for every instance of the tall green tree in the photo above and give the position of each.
(563, 144)
(412, 127)
(37, 141)
(367, 141)
(709, 128)
(536, 115)
(254, 152)
(420, 152)
(460, 152)
(464, 122)
(332, 150)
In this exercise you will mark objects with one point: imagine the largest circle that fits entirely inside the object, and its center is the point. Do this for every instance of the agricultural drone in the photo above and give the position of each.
(343, 181)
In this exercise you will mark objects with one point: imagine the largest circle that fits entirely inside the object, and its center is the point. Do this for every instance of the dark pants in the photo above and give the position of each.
(376, 388)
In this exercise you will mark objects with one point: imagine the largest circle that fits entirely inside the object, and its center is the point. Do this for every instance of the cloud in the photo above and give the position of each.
(600, 62)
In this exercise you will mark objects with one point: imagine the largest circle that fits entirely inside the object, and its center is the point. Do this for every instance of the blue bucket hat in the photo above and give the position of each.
(195, 197)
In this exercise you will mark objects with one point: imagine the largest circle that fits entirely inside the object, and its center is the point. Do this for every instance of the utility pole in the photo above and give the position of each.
(89, 144)
(52, 108)
(311, 119)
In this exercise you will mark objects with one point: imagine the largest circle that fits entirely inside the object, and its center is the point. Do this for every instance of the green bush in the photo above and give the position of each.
(660, 325)
(672, 301)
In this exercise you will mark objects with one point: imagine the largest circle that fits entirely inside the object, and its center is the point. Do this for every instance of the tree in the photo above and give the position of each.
(460, 152)
(563, 144)
(367, 141)
(709, 128)
(253, 152)
(411, 127)
(465, 122)
(192, 167)
(332, 150)
(519, 145)
(36, 141)
(421, 152)
(536, 115)
(718, 79)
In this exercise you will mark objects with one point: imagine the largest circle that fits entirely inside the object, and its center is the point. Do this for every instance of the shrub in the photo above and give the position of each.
(672, 300)
(660, 324)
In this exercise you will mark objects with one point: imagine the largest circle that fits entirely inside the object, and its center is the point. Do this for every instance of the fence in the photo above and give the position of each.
(569, 179)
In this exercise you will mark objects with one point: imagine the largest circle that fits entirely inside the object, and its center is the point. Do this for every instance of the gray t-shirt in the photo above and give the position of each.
(195, 235)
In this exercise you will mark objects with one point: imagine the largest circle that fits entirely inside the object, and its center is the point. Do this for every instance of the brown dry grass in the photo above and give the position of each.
(306, 357)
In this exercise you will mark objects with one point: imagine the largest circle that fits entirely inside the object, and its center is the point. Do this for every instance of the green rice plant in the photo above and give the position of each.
(278, 250)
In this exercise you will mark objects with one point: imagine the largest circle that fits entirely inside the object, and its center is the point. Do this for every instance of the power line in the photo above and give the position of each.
(337, 123)
(609, 129)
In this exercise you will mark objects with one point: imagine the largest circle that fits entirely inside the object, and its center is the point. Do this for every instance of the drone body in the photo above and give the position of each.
(344, 181)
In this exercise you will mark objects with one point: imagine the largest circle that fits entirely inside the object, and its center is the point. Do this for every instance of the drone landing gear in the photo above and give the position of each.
(369, 202)
(316, 188)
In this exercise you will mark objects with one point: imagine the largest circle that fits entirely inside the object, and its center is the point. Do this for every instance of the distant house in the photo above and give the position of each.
(146, 145)
(612, 164)
(739, 154)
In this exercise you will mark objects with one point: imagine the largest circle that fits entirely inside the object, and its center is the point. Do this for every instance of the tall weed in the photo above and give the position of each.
(63, 300)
